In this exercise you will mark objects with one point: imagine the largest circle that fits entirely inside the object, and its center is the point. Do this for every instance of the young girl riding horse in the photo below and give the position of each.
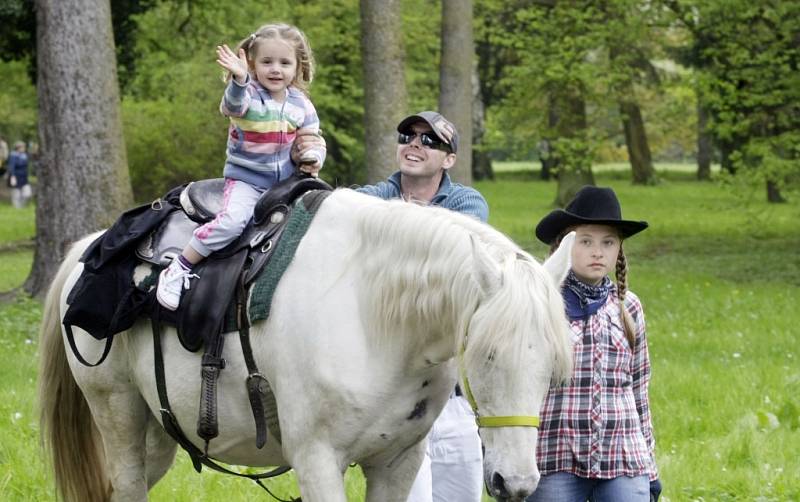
(268, 79)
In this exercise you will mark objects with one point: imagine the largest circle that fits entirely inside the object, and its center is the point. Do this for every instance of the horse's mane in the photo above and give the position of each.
(413, 258)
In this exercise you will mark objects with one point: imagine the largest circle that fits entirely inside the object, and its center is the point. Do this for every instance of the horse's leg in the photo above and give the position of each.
(160, 451)
(391, 481)
(121, 417)
(320, 474)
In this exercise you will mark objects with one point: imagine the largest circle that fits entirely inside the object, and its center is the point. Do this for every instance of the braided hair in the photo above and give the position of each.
(622, 288)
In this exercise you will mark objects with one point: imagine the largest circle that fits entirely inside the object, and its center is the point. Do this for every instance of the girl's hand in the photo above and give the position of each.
(237, 65)
(311, 169)
(307, 151)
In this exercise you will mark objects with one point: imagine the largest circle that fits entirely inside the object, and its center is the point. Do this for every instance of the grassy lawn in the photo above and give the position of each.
(718, 273)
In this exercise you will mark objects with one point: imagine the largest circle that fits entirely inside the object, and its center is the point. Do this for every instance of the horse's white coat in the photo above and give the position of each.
(359, 350)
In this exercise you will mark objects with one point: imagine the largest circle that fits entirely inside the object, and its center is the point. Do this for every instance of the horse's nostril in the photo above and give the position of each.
(499, 485)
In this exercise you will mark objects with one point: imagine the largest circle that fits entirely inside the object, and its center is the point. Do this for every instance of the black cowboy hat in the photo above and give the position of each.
(591, 206)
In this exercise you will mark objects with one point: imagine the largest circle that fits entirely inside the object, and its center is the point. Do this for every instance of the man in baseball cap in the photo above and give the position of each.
(427, 142)
(426, 149)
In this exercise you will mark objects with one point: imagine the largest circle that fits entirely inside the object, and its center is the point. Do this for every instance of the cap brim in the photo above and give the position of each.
(405, 125)
(558, 220)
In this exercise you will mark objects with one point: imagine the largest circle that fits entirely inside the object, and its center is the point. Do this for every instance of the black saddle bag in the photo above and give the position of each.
(104, 300)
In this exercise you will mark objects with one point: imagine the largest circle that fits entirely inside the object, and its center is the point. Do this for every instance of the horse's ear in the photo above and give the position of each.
(559, 263)
(487, 272)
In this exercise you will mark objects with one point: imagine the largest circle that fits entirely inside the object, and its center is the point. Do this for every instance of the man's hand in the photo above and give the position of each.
(12, 181)
(237, 65)
(306, 151)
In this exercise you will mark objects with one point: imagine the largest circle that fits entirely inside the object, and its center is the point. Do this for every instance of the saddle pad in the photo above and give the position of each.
(263, 287)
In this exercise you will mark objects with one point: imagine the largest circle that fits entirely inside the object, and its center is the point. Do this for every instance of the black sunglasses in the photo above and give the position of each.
(427, 139)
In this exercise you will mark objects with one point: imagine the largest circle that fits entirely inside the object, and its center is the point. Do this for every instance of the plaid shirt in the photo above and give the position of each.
(598, 425)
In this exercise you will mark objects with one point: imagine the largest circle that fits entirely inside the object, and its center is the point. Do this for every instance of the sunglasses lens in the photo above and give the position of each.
(426, 139)
(429, 141)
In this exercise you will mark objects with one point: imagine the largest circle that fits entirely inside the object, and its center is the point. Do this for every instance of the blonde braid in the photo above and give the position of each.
(622, 288)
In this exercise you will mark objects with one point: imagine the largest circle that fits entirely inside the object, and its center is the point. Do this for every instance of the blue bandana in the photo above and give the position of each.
(581, 299)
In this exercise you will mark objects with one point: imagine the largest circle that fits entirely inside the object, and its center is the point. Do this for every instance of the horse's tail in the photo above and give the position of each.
(68, 430)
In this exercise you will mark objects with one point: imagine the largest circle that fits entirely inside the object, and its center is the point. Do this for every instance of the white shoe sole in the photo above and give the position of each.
(165, 304)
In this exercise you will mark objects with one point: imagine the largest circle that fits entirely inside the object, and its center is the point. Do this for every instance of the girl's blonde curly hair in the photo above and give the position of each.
(291, 35)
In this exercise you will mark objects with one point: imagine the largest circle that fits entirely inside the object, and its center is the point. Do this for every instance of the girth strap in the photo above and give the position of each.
(262, 400)
(170, 423)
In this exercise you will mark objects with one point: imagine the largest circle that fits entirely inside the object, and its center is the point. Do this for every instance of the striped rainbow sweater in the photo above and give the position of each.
(262, 130)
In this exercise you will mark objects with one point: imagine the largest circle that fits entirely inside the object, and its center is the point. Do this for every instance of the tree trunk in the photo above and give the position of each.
(571, 149)
(83, 171)
(774, 193)
(481, 160)
(636, 142)
(704, 144)
(455, 80)
(726, 149)
(546, 157)
(384, 84)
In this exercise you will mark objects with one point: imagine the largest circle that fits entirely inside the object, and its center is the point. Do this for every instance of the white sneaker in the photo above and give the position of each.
(171, 283)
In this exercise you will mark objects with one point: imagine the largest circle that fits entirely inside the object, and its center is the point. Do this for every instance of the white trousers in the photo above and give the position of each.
(238, 200)
(452, 470)
(20, 196)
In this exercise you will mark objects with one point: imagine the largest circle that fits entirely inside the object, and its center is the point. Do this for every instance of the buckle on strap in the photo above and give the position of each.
(213, 361)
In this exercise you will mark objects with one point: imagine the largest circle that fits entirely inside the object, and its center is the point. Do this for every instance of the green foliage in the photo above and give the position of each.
(17, 42)
(333, 30)
(748, 57)
(17, 103)
(169, 140)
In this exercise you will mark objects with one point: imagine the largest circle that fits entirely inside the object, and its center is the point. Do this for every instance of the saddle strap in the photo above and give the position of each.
(213, 363)
(171, 426)
(262, 400)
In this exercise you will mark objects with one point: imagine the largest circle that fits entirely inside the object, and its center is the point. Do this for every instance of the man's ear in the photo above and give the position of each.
(449, 161)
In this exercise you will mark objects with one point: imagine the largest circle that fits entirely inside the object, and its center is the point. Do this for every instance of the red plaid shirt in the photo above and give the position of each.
(598, 425)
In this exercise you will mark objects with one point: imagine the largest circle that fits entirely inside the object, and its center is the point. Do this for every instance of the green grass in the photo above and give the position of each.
(719, 275)
(18, 224)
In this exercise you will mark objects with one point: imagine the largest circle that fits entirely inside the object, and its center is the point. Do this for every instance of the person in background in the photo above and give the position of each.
(18, 176)
(452, 469)
(596, 439)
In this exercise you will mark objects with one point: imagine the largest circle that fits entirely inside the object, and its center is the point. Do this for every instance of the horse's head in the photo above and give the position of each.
(516, 343)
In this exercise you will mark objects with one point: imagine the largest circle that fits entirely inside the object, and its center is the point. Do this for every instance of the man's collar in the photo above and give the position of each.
(443, 191)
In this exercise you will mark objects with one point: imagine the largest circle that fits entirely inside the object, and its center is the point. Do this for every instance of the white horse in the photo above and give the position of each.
(362, 346)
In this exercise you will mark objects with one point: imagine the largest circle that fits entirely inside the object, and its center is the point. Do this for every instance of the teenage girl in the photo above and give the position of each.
(266, 99)
(596, 437)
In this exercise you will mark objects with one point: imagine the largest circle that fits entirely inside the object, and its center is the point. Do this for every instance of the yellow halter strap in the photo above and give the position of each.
(499, 421)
